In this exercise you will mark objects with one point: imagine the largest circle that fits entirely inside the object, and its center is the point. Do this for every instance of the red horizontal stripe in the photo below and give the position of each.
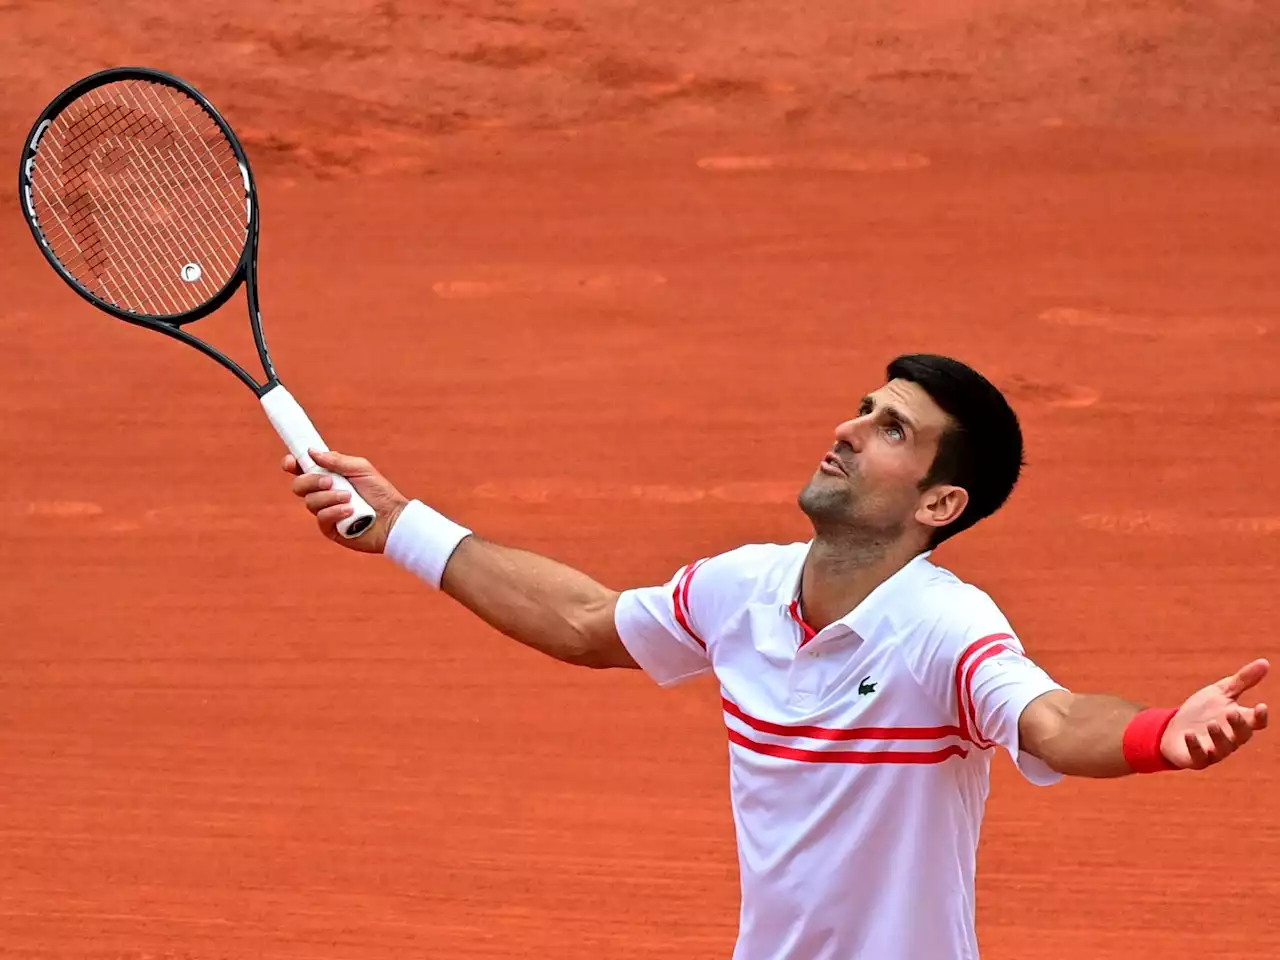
(832, 733)
(848, 756)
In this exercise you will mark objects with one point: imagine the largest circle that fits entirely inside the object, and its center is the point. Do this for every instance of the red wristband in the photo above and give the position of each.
(1142, 741)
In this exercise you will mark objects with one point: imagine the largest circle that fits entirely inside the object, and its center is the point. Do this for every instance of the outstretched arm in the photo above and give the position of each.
(1092, 735)
(541, 603)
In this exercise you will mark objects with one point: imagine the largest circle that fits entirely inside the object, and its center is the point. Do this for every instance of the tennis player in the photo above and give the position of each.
(864, 687)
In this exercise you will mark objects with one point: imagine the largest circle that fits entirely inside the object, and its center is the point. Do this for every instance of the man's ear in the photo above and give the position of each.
(941, 505)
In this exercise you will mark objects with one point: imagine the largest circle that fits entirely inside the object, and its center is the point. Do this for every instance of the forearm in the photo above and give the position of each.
(1080, 735)
(537, 601)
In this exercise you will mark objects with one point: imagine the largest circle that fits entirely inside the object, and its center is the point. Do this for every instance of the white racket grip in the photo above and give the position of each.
(300, 435)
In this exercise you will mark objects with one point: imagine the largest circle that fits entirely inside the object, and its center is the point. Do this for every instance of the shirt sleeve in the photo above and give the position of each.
(995, 682)
(658, 627)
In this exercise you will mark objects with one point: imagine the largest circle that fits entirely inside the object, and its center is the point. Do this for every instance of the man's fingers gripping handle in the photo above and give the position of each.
(300, 435)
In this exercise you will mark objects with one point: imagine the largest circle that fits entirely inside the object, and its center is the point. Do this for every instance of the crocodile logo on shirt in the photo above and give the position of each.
(865, 686)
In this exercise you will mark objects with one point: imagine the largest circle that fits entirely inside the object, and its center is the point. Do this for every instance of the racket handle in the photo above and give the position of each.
(300, 435)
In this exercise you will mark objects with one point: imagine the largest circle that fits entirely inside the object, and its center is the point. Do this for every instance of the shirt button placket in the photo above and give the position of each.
(803, 679)
(800, 678)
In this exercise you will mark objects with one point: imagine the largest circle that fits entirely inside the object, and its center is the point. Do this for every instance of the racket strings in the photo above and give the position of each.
(140, 197)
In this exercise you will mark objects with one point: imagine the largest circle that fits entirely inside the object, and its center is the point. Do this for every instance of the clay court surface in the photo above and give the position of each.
(598, 280)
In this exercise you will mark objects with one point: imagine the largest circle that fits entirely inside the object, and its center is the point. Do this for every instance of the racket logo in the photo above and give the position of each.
(191, 272)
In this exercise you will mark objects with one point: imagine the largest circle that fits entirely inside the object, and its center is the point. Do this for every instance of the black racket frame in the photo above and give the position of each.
(246, 271)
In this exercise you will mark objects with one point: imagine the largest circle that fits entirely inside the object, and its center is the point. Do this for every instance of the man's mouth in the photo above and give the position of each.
(831, 464)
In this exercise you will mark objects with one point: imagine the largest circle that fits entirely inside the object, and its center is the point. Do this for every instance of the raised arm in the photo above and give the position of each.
(1093, 735)
(537, 601)
(541, 603)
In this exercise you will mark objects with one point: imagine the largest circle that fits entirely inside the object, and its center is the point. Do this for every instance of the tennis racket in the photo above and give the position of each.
(141, 197)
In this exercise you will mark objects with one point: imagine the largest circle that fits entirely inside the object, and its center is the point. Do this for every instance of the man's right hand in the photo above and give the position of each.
(330, 506)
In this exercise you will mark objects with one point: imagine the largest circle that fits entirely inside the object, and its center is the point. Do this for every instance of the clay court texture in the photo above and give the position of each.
(598, 279)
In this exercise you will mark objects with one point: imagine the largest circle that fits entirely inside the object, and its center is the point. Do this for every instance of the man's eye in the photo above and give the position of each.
(896, 431)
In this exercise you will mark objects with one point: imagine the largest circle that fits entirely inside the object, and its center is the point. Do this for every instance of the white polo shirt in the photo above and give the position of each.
(860, 757)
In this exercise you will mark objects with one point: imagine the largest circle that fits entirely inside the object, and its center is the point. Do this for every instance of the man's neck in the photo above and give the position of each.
(839, 574)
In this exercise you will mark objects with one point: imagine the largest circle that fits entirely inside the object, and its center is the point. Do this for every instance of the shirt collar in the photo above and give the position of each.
(863, 618)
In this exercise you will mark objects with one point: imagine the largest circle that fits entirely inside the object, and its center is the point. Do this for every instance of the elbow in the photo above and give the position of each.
(1040, 729)
(590, 650)
(592, 640)
(590, 657)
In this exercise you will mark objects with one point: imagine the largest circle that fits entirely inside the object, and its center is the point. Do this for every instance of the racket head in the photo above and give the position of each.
(140, 196)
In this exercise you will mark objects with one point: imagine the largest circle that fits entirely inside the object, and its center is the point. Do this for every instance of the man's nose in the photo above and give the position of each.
(853, 432)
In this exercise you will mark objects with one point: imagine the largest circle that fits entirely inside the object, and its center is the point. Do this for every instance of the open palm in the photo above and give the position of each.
(1211, 724)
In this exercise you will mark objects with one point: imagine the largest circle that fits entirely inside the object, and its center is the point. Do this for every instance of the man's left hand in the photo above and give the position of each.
(1211, 725)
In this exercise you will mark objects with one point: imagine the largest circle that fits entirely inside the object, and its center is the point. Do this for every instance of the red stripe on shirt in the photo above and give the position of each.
(681, 601)
(978, 738)
(808, 632)
(848, 756)
(961, 686)
(833, 733)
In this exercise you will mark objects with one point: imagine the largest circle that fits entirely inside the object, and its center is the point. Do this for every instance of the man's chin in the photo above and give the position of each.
(824, 496)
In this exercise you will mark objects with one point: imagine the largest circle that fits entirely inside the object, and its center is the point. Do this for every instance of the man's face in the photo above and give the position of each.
(870, 480)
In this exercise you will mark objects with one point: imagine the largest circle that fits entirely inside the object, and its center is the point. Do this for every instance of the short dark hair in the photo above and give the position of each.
(981, 450)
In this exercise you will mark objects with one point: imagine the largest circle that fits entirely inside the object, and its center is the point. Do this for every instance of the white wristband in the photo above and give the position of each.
(422, 541)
